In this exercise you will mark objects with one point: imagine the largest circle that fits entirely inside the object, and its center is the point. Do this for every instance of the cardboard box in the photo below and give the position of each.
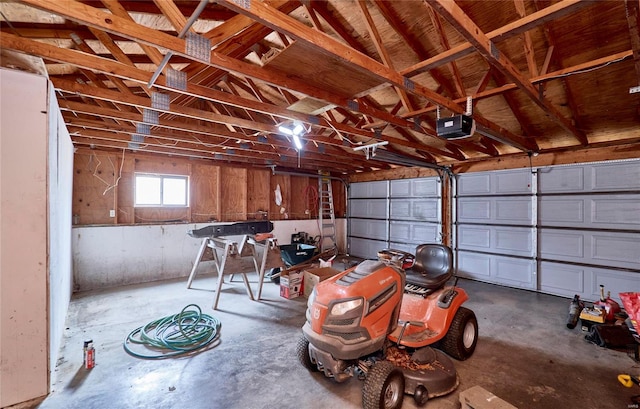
(291, 284)
(313, 276)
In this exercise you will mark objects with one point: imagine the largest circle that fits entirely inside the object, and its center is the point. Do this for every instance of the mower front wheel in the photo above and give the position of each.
(462, 337)
(383, 387)
(302, 350)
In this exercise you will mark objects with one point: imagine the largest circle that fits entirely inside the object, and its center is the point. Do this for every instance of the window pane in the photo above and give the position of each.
(174, 191)
(147, 190)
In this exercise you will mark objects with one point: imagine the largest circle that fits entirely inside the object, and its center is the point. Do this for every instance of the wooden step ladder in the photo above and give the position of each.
(326, 215)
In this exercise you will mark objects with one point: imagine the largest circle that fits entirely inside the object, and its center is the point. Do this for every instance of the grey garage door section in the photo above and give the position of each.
(561, 230)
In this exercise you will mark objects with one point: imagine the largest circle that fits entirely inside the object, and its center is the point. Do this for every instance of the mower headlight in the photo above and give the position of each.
(346, 306)
(312, 298)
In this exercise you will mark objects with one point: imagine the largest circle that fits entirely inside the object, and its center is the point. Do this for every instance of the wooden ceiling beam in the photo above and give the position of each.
(123, 26)
(415, 43)
(321, 8)
(118, 10)
(522, 25)
(183, 132)
(632, 8)
(558, 74)
(529, 51)
(382, 51)
(444, 43)
(461, 22)
(124, 71)
(267, 15)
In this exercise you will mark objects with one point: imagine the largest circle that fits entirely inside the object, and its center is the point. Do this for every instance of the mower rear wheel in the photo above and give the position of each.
(383, 387)
(462, 337)
(302, 350)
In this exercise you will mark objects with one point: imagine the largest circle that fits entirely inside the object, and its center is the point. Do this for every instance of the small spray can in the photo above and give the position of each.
(89, 354)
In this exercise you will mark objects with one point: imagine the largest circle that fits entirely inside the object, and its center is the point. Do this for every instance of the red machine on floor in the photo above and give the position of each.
(378, 319)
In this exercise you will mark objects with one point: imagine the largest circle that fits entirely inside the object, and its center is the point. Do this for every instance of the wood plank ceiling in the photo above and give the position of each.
(543, 76)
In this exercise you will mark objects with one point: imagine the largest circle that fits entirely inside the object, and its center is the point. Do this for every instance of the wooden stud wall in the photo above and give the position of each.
(105, 181)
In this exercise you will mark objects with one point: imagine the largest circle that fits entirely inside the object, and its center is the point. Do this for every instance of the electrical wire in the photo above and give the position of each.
(174, 335)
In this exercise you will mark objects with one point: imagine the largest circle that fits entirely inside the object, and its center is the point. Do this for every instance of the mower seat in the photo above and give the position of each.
(433, 266)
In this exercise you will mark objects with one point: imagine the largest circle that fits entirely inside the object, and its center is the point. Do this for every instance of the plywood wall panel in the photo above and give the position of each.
(217, 193)
(205, 185)
(258, 193)
(280, 212)
(161, 214)
(94, 177)
(233, 194)
(304, 194)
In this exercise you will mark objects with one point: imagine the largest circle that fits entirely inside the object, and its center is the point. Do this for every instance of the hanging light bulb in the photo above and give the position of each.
(285, 130)
(296, 141)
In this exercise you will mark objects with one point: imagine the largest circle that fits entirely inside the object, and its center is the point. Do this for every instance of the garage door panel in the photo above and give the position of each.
(567, 280)
(511, 271)
(615, 176)
(615, 282)
(562, 279)
(408, 247)
(415, 209)
(415, 233)
(474, 237)
(369, 208)
(561, 179)
(365, 248)
(514, 271)
(366, 190)
(597, 212)
(615, 249)
(495, 210)
(474, 265)
(602, 177)
(474, 184)
(373, 229)
(561, 244)
(514, 241)
(426, 187)
(556, 211)
(501, 183)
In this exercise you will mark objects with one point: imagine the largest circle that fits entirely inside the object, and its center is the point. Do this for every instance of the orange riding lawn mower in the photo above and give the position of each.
(378, 321)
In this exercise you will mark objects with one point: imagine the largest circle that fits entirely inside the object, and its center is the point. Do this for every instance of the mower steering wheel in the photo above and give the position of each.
(399, 257)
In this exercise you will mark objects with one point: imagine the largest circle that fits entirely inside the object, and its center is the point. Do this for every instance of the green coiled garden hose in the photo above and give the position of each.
(174, 335)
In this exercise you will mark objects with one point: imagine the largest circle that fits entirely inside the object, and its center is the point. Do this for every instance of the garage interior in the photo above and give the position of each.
(506, 130)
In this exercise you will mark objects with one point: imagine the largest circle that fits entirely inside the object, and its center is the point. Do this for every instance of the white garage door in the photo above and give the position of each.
(398, 214)
(495, 233)
(561, 230)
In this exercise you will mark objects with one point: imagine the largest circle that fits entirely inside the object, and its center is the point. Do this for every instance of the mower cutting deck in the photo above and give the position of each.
(378, 321)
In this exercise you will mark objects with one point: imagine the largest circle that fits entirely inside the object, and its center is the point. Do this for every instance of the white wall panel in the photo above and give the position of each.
(423, 187)
(495, 210)
(369, 208)
(604, 248)
(601, 177)
(416, 233)
(415, 209)
(567, 280)
(503, 183)
(595, 211)
(366, 228)
(368, 189)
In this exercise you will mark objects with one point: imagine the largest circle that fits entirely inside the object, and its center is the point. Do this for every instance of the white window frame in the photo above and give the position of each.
(161, 178)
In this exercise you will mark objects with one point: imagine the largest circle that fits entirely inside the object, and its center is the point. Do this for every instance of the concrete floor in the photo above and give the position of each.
(525, 354)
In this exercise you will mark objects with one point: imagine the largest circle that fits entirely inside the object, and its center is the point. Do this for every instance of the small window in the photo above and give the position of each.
(161, 190)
